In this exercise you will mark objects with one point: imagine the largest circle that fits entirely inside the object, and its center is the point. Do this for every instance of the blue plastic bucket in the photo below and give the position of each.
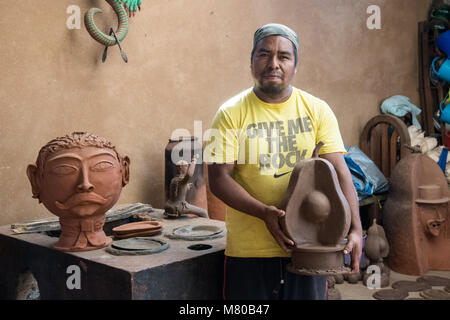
(444, 71)
(443, 42)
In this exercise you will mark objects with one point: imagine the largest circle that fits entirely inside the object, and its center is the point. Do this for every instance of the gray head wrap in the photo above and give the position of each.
(275, 29)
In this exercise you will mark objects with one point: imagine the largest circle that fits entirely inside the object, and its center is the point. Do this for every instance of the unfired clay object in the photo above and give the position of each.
(377, 246)
(390, 294)
(177, 205)
(434, 294)
(410, 286)
(317, 218)
(78, 178)
(434, 280)
(416, 217)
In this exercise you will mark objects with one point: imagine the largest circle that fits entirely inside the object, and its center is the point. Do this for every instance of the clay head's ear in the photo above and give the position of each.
(35, 180)
(125, 167)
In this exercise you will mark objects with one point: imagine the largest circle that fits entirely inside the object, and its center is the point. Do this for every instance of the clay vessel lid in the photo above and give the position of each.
(434, 294)
(137, 227)
(390, 294)
(317, 212)
(199, 232)
(411, 286)
(431, 194)
(434, 280)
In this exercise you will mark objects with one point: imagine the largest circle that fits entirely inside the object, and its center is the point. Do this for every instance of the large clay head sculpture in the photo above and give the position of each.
(317, 218)
(78, 178)
(416, 217)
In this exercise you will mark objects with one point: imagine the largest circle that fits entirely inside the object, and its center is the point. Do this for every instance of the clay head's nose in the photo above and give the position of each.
(433, 226)
(84, 184)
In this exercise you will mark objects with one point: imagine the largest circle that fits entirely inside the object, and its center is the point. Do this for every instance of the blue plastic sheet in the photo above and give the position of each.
(366, 176)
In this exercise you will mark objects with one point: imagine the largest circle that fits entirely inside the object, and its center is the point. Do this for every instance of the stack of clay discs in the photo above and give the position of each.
(137, 229)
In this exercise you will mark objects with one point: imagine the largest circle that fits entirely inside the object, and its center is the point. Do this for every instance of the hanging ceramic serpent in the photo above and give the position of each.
(114, 37)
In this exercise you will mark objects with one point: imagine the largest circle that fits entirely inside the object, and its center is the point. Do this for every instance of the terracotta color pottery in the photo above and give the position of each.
(410, 286)
(433, 294)
(140, 226)
(146, 233)
(317, 218)
(434, 281)
(78, 178)
(390, 294)
(416, 217)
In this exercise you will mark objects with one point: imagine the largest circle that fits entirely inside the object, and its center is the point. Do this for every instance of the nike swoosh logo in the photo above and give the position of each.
(280, 175)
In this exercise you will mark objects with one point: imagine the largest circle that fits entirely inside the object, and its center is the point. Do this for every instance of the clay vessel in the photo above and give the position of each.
(377, 246)
(78, 178)
(416, 217)
(317, 217)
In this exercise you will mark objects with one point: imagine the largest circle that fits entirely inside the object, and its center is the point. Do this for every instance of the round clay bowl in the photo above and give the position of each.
(390, 294)
(434, 280)
(411, 286)
(137, 227)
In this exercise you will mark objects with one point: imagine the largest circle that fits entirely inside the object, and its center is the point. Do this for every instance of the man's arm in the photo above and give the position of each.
(354, 245)
(224, 187)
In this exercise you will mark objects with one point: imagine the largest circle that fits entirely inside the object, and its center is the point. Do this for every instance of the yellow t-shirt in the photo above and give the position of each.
(266, 141)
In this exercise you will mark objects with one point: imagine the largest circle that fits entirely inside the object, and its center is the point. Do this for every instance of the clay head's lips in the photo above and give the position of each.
(81, 199)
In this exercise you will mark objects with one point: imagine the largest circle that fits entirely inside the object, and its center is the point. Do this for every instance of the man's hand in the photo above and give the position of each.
(272, 217)
(354, 246)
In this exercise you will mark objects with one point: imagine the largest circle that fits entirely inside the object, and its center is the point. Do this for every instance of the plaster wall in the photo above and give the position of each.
(186, 57)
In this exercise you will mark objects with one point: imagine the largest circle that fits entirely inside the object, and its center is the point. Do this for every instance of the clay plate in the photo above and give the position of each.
(137, 227)
(433, 294)
(196, 232)
(390, 294)
(145, 233)
(411, 286)
(434, 280)
(139, 244)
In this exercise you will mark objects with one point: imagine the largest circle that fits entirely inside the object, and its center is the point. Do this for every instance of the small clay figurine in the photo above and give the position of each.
(377, 246)
(179, 185)
(78, 178)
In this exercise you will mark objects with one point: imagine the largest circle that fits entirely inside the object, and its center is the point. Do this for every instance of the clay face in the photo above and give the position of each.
(78, 178)
(81, 182)
(432, 218)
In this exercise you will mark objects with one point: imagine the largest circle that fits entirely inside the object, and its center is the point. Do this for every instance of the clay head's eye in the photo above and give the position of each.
(64, 169)
(102, 166)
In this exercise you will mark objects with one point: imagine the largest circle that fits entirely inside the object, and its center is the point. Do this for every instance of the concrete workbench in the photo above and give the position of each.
(176, 273)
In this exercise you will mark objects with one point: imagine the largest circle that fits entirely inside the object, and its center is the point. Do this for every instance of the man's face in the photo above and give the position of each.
(273, 64)
(81, 182)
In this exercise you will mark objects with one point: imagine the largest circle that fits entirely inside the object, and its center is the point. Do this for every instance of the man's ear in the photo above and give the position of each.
(125, 164)
(35, 180)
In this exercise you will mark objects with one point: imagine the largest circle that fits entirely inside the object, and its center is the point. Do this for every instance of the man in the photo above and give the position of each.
(259, 135)
(78, 178)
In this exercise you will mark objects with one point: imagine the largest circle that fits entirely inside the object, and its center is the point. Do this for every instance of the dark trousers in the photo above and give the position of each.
(267, 279)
